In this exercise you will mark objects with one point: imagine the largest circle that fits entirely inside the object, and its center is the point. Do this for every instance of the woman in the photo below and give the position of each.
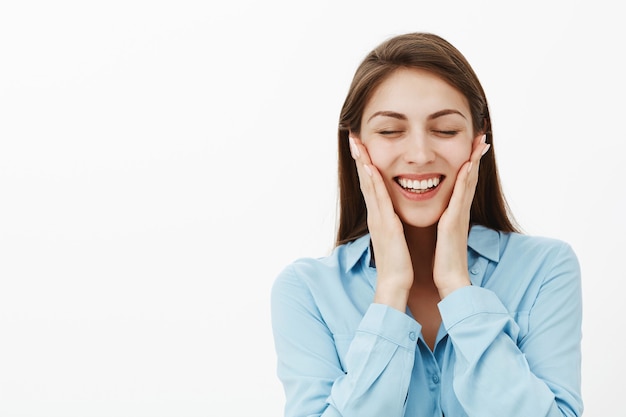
(432, 302)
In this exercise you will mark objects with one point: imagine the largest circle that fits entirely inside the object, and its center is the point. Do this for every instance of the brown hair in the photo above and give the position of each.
(432, 53)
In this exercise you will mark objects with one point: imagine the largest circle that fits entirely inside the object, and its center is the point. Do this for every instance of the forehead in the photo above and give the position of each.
(415, 93)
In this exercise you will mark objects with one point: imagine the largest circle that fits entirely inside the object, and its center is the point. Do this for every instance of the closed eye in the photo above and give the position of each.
(446, 132)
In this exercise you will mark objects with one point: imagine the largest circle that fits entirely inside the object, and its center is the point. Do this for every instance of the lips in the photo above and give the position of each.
(419, 185)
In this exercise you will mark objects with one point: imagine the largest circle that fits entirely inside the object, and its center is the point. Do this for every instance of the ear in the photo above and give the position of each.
(354, 135)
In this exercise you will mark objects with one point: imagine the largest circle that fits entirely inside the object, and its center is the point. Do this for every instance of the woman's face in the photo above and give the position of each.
(418, 132)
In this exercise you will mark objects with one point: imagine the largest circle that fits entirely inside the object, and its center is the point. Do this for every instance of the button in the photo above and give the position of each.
(412, 335)
(474, 271)
(436, 379)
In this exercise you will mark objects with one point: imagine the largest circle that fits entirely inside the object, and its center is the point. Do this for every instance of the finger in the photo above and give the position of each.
(359, 151)
(473, 169)
(376, 189)
(479, 149)
(364, 171)
(467, 178)
(383, 200)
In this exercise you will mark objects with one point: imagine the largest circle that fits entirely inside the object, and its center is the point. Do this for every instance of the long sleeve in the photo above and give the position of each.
(375, 375)
(498, 371)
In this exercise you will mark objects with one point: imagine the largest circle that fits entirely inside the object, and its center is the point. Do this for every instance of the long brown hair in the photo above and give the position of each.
(432, 53)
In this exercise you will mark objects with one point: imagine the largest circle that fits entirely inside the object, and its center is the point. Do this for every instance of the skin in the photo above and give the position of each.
(417, 126)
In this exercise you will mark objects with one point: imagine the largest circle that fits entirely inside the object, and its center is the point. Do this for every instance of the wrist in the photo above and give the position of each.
(394, 297)
(447, 290)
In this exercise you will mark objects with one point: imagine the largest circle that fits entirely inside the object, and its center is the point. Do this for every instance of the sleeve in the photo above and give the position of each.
(495, 375)
(378, 363)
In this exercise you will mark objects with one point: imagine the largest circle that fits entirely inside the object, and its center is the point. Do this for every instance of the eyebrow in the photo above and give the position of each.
(401, 116)
(393, 114)
(445, 112)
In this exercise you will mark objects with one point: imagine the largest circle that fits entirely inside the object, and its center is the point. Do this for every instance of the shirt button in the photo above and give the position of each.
(474, 271)
(435, 379)
(412, 335)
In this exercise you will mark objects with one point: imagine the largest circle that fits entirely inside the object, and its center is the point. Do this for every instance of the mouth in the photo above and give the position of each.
(419, 186)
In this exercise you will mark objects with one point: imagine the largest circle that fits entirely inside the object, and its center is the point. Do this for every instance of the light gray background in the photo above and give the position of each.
(162, 161)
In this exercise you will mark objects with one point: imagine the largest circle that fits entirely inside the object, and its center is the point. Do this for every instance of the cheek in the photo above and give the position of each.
(382, 158)
(380, 155)
(459, 153)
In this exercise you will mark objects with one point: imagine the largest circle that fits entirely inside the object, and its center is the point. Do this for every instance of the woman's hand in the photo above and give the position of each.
(450, 266)
(393, 261)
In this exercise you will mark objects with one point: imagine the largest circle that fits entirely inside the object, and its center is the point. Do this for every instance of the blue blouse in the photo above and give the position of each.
(509, 345)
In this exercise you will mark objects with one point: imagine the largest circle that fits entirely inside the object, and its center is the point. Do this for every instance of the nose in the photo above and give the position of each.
(418, 149)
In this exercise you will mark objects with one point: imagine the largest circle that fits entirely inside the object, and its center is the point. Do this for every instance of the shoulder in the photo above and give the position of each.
(340, 261)
(527, 257)
(306, 269)
(549, 257)
(535, 245)
(311, 274)
(526, 266)
(498, 246)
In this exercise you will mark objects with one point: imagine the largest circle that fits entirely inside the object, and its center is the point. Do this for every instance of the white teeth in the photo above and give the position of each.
(417, 185)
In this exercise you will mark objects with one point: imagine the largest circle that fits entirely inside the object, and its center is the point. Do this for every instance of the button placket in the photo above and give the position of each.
(477, 270)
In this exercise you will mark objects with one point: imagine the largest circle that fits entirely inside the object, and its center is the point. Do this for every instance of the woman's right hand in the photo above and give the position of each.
(393, 261)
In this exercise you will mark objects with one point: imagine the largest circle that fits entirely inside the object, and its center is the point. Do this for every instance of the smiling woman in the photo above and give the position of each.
(432, 303)
(435, 132)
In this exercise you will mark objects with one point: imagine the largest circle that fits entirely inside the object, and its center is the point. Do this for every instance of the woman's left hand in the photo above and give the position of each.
(450, 266)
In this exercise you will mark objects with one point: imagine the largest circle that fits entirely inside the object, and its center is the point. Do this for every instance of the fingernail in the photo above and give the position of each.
(353, 148)
(469, 167)
(367, 169)
(483, 139)
(486, 149)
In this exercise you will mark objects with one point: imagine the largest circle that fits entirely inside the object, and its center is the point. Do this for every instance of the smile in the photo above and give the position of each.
(419, 186)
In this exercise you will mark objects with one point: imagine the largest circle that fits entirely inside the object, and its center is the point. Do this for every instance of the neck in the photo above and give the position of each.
(422, 243)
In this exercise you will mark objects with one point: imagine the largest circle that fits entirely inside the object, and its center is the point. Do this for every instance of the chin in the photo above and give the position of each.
(422, 225)
(423, 221)
(422, 215)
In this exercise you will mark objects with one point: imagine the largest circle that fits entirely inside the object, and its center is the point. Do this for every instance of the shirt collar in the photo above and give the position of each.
(484, 241)
(355, 250)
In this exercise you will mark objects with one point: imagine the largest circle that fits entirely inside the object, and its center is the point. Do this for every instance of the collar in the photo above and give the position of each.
(354, 251)
(484, 241)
